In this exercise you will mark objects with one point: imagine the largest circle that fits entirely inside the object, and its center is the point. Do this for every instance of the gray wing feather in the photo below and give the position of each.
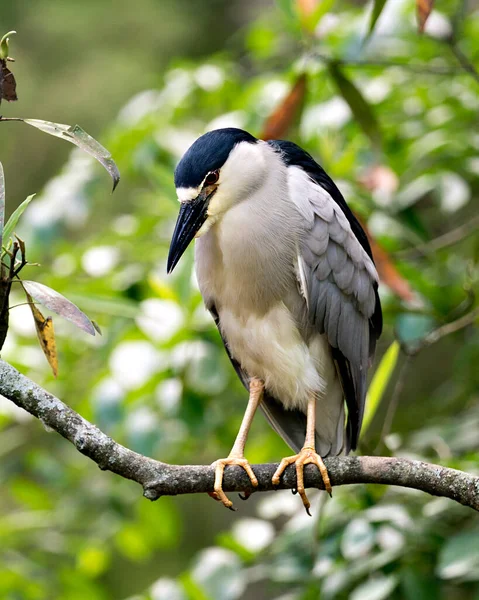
(341, 291)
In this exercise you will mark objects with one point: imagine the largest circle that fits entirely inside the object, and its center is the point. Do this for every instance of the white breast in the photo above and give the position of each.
(269, 346)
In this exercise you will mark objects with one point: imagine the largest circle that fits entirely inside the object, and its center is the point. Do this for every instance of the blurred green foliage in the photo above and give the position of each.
(158, 379)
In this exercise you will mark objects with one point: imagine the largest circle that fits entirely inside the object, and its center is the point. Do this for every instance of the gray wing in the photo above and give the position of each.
(339, 282)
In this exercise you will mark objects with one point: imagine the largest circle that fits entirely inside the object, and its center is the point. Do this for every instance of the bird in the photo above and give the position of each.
(287, 273)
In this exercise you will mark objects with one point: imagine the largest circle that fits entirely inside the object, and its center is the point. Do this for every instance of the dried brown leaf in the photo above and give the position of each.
(8, 85)
(423, 9)
(278, 123)
(46, 335)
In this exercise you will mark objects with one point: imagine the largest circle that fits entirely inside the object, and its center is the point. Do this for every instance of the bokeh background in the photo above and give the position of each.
(395, 124)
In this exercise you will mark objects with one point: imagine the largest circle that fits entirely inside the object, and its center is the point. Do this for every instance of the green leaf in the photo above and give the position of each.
(60, 305)
(14, 218)
(417, 585)
(291, 16)
(160, 523)
(132, 544)
(459, 557)
(380, 382)
(77, 136)
(286, 6)
(93, 560)
(375, 14)
(30, 494)
(228, 541)
(4, 45)
(2, 203)
(361, 110)
(192, 589)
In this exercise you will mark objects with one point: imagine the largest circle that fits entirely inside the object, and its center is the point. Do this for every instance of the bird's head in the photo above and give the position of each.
(222, 168)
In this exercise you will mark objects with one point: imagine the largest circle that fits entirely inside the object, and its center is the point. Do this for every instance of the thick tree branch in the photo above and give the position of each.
(158, 479)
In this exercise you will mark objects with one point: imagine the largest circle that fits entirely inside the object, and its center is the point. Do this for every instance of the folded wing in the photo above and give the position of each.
(339, 282)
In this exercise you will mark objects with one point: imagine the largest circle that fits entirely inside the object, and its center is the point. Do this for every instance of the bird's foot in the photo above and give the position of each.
(220, 465)
(306, 456)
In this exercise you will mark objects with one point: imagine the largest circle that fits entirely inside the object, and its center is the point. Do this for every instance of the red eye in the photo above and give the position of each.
(212, 177)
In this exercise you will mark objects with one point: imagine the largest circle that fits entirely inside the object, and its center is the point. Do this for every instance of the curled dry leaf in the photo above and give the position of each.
(278, 123)
(46, 335)
(8, 85)
(423, 8)
(60, 305)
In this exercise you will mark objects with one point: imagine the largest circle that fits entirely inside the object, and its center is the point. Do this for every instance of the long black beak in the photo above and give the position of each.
(191, 218)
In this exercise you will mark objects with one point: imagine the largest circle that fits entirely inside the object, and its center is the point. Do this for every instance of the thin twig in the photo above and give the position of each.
(443, 241)
(463, 60)
(158, 479)
(24, 304)
(449, 328)
(458, 18)
(23, 259)
(413, 348)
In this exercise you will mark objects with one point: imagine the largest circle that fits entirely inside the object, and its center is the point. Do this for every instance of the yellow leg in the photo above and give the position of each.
(307, 455)
(236, 456)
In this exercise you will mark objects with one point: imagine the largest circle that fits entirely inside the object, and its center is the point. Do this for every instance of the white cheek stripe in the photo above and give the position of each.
(187, 194)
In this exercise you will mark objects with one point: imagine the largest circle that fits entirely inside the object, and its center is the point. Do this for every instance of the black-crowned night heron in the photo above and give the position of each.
(287, 273)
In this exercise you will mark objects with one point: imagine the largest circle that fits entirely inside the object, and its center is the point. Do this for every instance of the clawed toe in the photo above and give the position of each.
(306, 456)
(220, 465)
(245, 495)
